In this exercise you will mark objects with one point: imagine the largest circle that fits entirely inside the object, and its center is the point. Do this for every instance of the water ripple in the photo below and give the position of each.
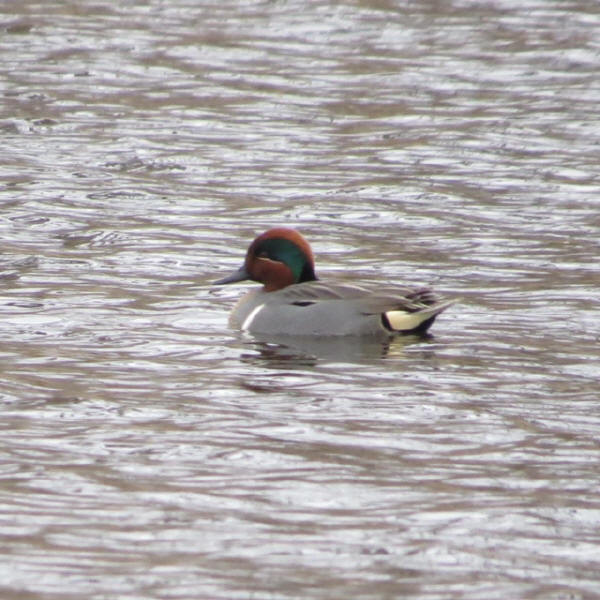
(148, 451)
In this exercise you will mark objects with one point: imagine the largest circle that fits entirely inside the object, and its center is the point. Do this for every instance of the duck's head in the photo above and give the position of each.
(277, 258)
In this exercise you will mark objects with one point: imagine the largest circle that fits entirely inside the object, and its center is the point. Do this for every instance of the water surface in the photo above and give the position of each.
(148, 451)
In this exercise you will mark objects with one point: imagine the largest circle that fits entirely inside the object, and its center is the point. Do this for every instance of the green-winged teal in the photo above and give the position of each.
(293, 301)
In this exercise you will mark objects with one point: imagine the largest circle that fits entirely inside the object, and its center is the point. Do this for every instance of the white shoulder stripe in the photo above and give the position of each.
(248, 320)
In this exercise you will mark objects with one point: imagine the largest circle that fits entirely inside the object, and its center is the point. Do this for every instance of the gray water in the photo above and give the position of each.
(148, 451)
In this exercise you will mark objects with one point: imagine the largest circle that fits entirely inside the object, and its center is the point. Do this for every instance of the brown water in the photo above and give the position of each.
(147, 451)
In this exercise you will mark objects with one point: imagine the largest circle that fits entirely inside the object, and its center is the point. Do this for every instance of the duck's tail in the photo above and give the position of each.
(415, 322)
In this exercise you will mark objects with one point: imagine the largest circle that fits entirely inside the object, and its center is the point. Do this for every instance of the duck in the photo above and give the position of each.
(294, 301)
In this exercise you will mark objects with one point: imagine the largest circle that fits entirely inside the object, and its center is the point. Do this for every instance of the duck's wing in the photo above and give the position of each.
(399, 309)
(317, 291)
(372, 301)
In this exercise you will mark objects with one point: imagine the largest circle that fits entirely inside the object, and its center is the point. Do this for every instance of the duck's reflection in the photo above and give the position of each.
(307, 351)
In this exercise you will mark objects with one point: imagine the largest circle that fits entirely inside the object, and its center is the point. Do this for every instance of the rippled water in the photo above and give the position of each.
(147, 451)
